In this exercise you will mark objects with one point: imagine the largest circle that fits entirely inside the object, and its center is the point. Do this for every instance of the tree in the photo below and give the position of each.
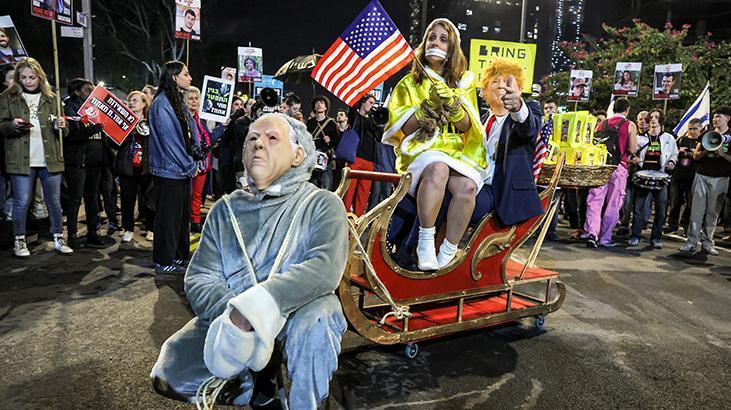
(142, 32)
(703, 60)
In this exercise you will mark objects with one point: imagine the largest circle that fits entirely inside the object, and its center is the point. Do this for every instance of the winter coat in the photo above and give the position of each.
(169, 156)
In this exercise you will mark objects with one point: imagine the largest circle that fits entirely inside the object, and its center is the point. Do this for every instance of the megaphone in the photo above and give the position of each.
(712, 141)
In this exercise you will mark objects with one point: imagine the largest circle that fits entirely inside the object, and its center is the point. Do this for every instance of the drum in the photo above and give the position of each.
(654, 180)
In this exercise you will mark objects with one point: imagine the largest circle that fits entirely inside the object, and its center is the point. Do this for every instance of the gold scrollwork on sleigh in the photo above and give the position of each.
(491, 246)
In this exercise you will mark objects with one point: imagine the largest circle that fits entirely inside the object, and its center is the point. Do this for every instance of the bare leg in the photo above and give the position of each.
(464, 192)
(428, 201)
(431, 193)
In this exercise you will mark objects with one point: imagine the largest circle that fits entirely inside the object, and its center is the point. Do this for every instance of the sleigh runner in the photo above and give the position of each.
(482, 287)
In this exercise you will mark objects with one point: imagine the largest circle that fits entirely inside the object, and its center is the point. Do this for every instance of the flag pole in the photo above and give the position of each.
(59, 113)
(664, 108)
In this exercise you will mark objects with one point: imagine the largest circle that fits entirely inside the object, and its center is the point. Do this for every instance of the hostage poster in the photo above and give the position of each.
(59, 10)
(188, 19)
(102, 107)
(216, 98)
(250, 64)
(666, 84)
(11, 48)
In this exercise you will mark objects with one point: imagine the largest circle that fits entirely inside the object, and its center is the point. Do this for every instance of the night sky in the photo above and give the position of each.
(283, 29)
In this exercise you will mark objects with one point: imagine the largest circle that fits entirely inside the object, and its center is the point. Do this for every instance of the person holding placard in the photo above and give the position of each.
(133, 169)
(29, 122)
(81, 174)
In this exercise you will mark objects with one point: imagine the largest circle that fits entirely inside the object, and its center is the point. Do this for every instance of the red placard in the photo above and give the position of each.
(102, 107)
(43, 9)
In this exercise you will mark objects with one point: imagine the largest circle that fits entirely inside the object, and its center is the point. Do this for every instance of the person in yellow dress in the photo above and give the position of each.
(435, 129)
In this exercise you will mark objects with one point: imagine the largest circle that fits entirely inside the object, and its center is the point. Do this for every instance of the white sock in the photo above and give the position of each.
(446, 253)
(426, 250)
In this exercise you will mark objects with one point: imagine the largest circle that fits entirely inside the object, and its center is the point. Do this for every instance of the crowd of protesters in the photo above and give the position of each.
(694, 201)
(162, 172)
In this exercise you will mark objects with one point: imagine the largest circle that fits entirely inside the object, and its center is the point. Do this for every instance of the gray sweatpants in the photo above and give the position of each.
(708, 196)
(311, 339)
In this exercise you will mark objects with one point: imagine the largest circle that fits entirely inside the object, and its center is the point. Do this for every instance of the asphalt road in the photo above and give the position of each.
(639, 328)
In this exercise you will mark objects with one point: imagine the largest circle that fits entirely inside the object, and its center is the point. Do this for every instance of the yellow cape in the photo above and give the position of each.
(468, 147)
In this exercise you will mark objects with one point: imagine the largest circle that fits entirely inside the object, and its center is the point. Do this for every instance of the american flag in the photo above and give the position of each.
(542, 147)
(369, 51)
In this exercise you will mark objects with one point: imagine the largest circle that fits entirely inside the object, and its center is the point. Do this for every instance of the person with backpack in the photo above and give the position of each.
(619, 134)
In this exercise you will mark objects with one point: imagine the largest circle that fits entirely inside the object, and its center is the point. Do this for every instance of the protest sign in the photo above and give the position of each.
(483, 51)
(216, 98)
(627, 79)
(43, 9)
(11, 48)
(72, 32)
(59, 10)
(102, 107)
(188, 19)
(65, 12)
(580, 85)
(270, 82)
(250, 64)
(228, 73)
(666, 84)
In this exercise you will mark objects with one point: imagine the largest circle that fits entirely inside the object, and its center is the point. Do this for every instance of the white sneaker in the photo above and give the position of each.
(60, 245)
(447, 252)
(688, 248)
(20, 249)
(710, 249)
(127, 236)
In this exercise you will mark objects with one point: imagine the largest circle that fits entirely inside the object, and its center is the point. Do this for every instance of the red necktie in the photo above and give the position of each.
(488, 127)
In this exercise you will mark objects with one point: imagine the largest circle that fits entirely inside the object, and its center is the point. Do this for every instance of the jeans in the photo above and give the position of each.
(642, 196)
(23, 193)
(681, 192)
(311, 339)
(72, 194)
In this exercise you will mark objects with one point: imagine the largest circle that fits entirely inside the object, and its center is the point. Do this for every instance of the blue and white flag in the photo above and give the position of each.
(701, 109)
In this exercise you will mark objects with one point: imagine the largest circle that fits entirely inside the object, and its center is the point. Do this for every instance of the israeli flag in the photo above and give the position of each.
(701, 108)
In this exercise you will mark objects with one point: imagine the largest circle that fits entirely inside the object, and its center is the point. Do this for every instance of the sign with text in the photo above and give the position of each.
(250, 64)
(188, 19)
(627, 79)
(483, 51)
(666, 84)
(216, 98)
(270, 82)
(59, 10)
(580, 85)
(102, 107)
(72, 32)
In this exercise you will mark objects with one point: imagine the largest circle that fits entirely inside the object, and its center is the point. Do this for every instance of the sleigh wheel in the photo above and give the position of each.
(411, 350)
(539, 322)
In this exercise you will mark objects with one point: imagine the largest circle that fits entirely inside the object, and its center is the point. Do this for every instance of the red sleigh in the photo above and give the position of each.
(482, 287)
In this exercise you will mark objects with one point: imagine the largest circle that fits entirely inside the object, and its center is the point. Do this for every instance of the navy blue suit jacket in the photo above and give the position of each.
(514, 196)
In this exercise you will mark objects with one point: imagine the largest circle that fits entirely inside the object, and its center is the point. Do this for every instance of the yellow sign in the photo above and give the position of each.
(483, 51)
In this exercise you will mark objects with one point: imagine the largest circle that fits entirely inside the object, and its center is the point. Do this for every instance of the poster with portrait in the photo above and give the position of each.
(627, 79)
(250, 64)
(666, 85)
(228, 73)
(59, 10)
(65, 12)
(188, 19)
(11, 48)
(217, 96)
(580, 85)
